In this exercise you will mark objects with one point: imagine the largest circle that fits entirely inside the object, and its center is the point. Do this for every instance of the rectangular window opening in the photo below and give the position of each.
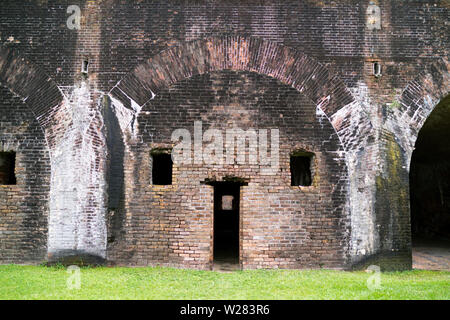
(85, 66)
(162, 169)
(7, 168)
(376, 69)
(301, 170)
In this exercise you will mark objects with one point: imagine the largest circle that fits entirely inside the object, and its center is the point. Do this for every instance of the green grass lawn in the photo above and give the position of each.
(39, 282)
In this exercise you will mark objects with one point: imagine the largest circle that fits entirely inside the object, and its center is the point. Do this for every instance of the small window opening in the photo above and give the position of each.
(377, 69)
(7, 168)
(162, 169)
(85, 66)
(301, 169)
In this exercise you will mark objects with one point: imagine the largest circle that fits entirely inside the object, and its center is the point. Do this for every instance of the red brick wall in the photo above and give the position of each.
(136, 48)
(281, 225)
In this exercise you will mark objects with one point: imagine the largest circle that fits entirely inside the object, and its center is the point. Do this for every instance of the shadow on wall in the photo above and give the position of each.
(115, 172)
(430, 177)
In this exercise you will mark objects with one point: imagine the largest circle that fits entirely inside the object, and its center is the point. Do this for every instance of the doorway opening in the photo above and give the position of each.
(430, 191)
(226, 223)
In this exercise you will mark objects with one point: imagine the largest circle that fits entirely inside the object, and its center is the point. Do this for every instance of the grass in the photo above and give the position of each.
(40, 282)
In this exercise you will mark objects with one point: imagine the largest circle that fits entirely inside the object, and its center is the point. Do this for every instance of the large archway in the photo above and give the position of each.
(430, 191)
(245, 227)
(329, 96)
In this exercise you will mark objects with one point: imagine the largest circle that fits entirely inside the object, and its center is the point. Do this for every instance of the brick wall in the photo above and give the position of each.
(24, 206)
(281, 225)
(137, 49)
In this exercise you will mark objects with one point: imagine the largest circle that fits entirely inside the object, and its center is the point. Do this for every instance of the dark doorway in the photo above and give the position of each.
(430, 182)
(300, 165)
(226, 222)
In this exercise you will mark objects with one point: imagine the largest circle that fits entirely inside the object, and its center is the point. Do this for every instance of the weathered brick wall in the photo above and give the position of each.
(281, 226)
(376, 119)
(77, 225)
(24, 206)
(130, 32)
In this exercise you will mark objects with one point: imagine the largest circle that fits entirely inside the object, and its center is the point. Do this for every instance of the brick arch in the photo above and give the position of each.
(420, 101)
(285, 64)
(33, 86)
(422, 95)
(25, 91)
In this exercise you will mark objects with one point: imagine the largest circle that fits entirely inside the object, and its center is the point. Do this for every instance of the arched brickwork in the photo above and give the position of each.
(427, 101)
(423, 94)
(24, 205)
(285, 64)
(402, 123)
(33, 86)
(248, 100)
